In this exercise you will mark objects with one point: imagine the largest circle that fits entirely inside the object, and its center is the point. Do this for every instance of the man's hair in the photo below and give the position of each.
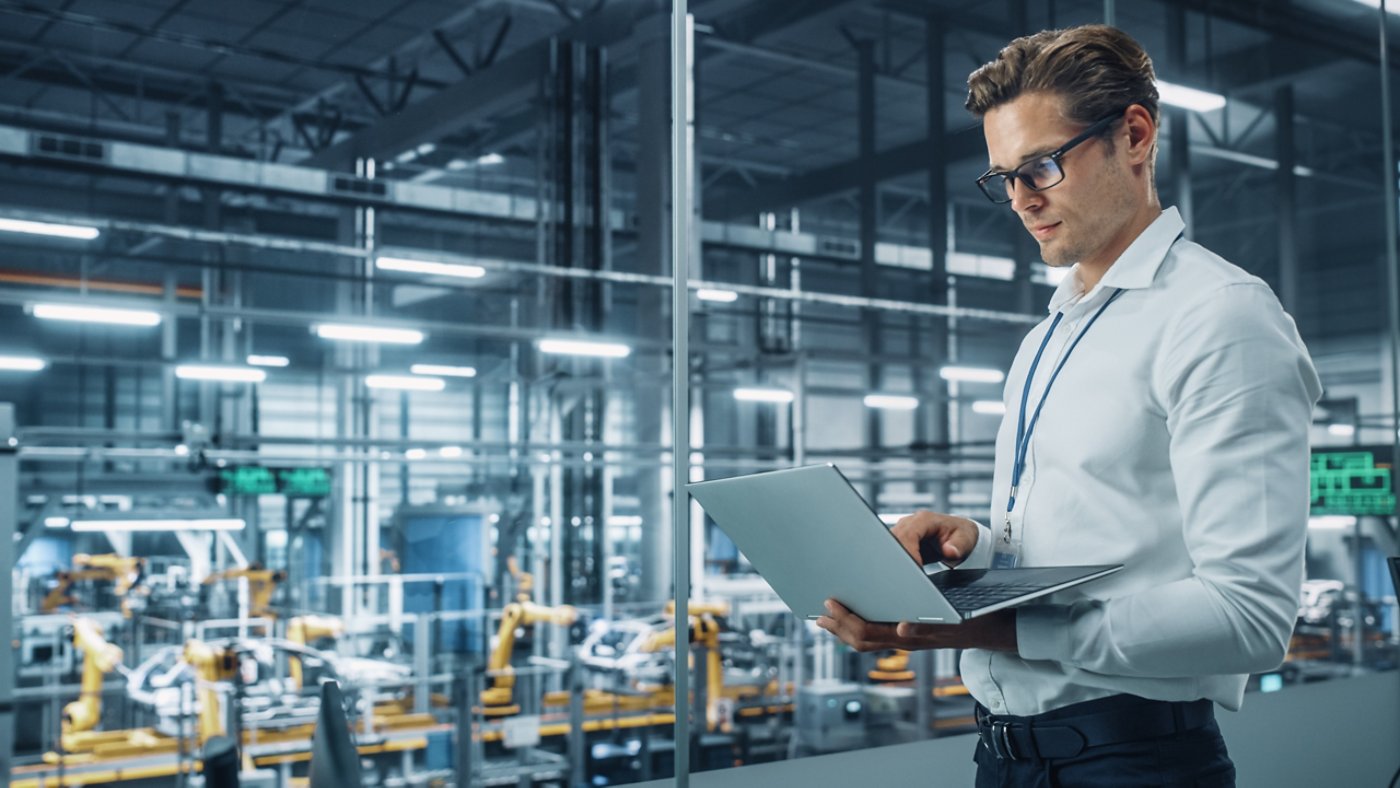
(1097, 70)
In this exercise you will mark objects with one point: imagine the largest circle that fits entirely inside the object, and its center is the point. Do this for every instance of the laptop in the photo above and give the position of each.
(813, 538)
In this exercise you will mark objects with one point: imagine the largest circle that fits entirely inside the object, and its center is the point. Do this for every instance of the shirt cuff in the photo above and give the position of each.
(981, 555)
(1043, 632)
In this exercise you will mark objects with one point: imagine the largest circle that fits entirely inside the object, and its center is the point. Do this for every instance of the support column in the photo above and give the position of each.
(869, 231)
(1286, 187)
(1179, 121)
(932, 426)
(9, 526)
(652, 409)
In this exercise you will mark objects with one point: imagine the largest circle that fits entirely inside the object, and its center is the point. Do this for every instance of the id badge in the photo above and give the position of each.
(1007, 554)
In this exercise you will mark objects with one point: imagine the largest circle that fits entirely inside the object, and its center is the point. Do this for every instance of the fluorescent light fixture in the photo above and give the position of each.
(443, 370)
(78, 231)
(1341, 430)
(22, 363)
(56, 521)
(429, 267)
(989, 407)
(268, 361)
(450, 452)
(1189, 98)
(405, 382)
(625, 520)
(751, 394)
(96, 314)
(578, 347)
(971, 374)
(891, 401)
(1331, 522)
(225, 373)
(395, 336)
(1393, 6)
(490, 159)
(416, 454)
(718, 296)
(425, 148)
(174, 524)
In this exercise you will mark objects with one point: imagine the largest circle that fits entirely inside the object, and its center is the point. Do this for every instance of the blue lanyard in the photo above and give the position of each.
(1023, 431)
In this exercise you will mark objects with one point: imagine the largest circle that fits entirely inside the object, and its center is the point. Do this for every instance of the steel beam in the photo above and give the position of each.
(1179, 121)
(1286, 199)
(9, 495)
(846, 176)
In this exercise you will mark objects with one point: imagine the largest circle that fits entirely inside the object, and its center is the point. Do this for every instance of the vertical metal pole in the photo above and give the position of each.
(1392, 255)
(1108, 12)
(681, 144)
(9, 493)
(869, 218)
(934, 419)
(1285, 187)
(1179, 120)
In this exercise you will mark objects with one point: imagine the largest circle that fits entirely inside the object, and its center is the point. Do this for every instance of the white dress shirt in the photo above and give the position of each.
(1174, 442)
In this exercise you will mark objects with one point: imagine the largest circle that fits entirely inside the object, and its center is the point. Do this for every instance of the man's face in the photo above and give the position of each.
(1075, 219)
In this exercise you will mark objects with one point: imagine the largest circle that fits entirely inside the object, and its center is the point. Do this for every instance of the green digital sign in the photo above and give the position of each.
(1352, 481)
(260, 480)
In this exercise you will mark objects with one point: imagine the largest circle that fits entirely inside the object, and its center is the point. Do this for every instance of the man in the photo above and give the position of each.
(1157, 418)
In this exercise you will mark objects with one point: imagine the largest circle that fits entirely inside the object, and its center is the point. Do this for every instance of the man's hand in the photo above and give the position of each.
(929, 537)
(994, 632)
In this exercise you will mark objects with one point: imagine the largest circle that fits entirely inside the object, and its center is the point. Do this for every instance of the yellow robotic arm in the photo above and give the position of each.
(124, 573)
(99, 659)
(210, 665)
(705, 632)
(514, 616)
(262, 584)
(303, 630)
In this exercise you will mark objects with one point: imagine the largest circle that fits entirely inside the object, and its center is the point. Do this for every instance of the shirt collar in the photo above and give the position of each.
(1135, 268)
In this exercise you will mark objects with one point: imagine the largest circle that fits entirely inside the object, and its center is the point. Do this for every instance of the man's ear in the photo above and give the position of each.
(1142, 133)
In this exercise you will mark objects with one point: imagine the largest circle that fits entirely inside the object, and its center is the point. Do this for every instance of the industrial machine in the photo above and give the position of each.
(262, 584)
(124, 573)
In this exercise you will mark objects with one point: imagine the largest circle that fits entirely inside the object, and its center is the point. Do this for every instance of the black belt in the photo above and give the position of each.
(1064, 733)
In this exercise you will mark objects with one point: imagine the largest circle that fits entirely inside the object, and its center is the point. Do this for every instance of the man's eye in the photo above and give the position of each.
(1040, 171)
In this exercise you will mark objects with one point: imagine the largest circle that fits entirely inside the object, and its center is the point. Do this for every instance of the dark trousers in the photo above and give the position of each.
(1194, 758)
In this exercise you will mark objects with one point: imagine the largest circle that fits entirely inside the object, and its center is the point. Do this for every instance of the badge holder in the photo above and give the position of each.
(1007, 554)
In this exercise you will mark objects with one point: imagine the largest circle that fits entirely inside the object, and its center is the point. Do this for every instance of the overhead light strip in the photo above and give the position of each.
(443, 370)
(429, 267)
(96, 314)
(971, 374)
(349, 333)
(759, 394)
(51, 229)
(192, 524)
(576, 347)
(405, 382)
(22, 363)
(220, 373)
(1189, 98)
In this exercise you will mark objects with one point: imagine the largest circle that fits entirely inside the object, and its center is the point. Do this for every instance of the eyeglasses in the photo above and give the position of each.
(1040, 173)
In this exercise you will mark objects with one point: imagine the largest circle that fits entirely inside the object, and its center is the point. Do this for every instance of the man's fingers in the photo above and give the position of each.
(929, 536)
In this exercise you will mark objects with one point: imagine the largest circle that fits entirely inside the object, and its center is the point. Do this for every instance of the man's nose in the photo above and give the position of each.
(1025, 199)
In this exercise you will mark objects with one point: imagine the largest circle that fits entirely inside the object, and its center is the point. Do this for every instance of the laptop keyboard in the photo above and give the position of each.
(956, 589)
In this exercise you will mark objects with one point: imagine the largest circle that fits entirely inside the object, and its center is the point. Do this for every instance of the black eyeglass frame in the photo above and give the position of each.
(1002, 196)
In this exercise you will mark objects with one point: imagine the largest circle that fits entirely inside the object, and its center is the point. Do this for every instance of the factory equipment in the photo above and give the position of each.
(305, 630)
(831, 716)
(498, 698)
(262, 584)
(122, 572)
(99, 658)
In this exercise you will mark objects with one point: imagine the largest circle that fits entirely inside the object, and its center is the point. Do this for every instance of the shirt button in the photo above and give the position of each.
(996, 705)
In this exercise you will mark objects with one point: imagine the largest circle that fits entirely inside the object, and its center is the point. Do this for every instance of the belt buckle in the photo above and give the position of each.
(1000, 738)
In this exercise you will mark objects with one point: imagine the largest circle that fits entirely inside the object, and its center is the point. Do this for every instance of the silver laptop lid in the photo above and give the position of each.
(812, 537)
